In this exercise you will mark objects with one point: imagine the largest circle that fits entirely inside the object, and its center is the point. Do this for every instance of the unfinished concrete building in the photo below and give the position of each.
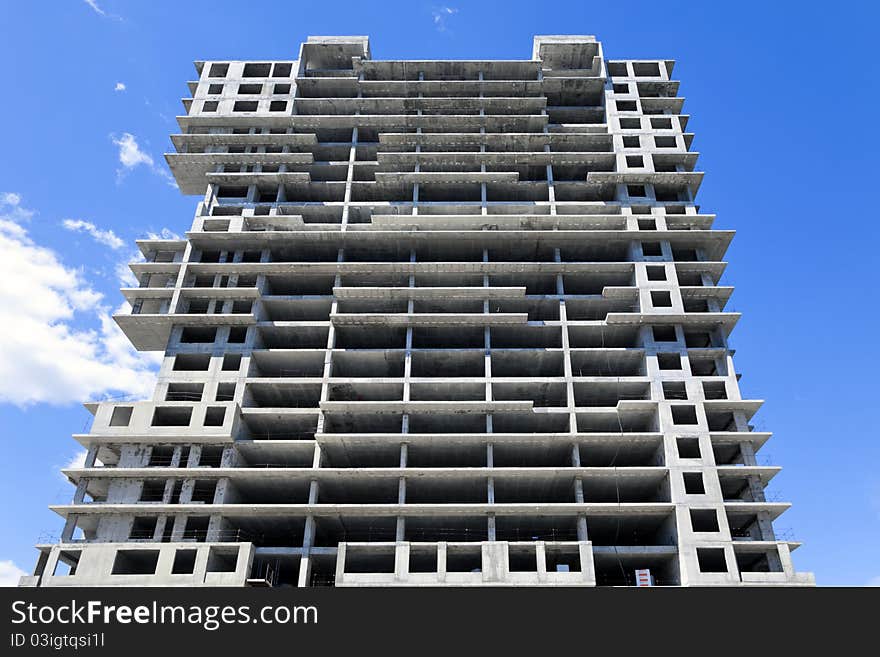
(435, 323)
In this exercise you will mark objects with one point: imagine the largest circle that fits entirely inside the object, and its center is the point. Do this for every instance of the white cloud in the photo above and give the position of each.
(10, 206)
(164, 234)
(106, 237)
(130, 153)
(94, 5)
(131, 156)
(60, 344)
(120, 86)
(874, 581)
(440, 16)
(100, 11)
(124, 274)
(77, 461)
(10, 573)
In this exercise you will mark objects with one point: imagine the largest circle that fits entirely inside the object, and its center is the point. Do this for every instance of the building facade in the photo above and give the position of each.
(434, 323)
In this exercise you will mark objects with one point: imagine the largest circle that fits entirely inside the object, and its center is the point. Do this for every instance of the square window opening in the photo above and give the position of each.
(617, 69)
(143, 528)
(651, 249)
(222, 560)
(646, 69)
(218, 70)
(237, 335)
(688, 448)
(674, 390)
(704, 520)
(661, 299)
(121, 416)
(656, 272)
(693, 483)
(215, 416)
(635, 161)
(282, 70)
(636, 190)
(712, 560)
(664, 334)
(135, 562)
(256, 70)
(225, 392)
(684, 415)
(184, 562)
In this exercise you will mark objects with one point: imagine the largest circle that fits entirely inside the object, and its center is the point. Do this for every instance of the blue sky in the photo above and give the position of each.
(781, 97)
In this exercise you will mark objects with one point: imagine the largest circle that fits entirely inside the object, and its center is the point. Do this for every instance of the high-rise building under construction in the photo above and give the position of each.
(434, 323)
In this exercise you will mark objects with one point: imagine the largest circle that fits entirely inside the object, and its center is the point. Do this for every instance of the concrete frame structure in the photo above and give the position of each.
(435, 323)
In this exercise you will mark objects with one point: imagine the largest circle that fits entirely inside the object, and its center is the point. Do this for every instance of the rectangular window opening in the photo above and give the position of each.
(693, 483)
(684, 415)
(135, 562)
(688, 448)
(711, 560)
(704, 520)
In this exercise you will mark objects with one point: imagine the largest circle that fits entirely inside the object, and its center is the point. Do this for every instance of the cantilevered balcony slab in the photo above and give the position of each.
(428, 319)
(725, 320)
(310, 122)
(690, 179)
(248, 511)
(147, 246)
(772, 509)
(747, 406)
(369, 440)
(183, 142)
(274, 268)
(269, 480)
(257, 178)
(440, 105)
(133, 293)
(191, 169)
(734, 438)
(764, 473)
(446, 177)
(500, 221)
(720, 293)
(455, 407)
(150, 331)
(499, 140)
(390, 159)
(429, 292)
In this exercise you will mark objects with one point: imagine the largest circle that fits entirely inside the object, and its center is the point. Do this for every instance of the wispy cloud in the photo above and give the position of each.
(441, 17)
(94, 5)
(60, 343)
(132, 156)
(100, 11)
(874, 581)
(120, 86)
(10, 573)
(12, 209)
(106, 237)
(164, 234)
